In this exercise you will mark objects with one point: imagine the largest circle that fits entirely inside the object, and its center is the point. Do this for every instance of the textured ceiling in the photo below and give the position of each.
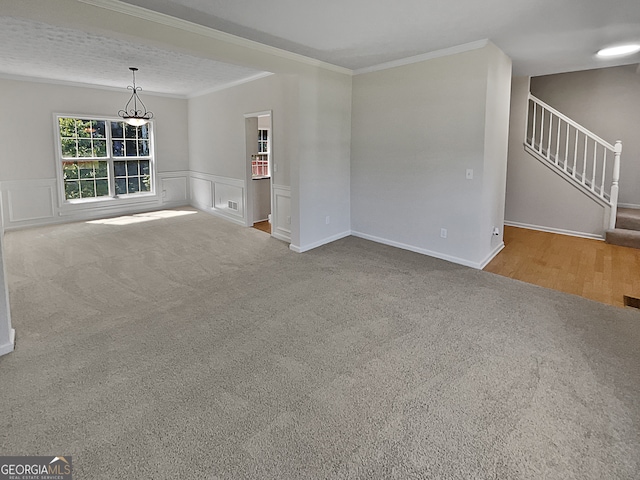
(541, 36)
(35, 49)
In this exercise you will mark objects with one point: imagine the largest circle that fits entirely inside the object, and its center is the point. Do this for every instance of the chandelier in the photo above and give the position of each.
(135, 113)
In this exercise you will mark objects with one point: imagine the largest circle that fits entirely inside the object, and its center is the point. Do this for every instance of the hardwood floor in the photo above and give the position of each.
(589, 268)
(263, 226)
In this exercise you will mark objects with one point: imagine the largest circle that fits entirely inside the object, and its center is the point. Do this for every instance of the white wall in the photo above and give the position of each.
(321, 183)
(7, 334)
(416, 130)
(218, 149)
(28, 181)
(496, 143)
(536, 196)
(606, 101)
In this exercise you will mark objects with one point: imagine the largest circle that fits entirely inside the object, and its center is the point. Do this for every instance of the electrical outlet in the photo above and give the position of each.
(496, 231)
(327, 220)
(443, 232)
(469, 173)
(289, 220)
(275, 168)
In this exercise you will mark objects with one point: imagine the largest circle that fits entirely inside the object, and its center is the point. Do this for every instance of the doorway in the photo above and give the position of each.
(259, 133)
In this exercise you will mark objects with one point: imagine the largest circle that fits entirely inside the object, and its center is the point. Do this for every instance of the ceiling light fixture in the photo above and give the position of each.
(619, 50)
(132, 114)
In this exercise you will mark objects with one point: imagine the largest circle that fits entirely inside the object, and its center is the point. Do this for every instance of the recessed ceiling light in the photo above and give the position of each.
(619, 50)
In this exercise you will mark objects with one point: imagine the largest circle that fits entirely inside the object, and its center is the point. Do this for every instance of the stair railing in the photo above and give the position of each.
(574, 151)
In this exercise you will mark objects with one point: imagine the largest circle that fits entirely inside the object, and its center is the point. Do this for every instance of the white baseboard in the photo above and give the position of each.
(491, 256)
(423, 251)
(9, 347)
(216, 213)
(560, 231)
(628, 205)
(319, 243)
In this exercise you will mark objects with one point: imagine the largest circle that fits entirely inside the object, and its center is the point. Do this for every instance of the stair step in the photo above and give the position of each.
(628, 218)
(623, 237)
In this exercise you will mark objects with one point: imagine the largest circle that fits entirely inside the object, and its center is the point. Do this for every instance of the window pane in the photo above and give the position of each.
(134, 185)
(102, 188)
(83, 127)
(69, 148)
(99, 148)
(86, 169)
(98, 128)
(144, 132)
(118, 148)
(71, 190)
(144, 167)
(87, 188)
(84, 148)
(70, 170)
(116, 129)
(121, 186)
(129, 131)
(131, 150)
(143, 148)
(67, 127)
(101, 170)
(132, 168)
(119, 169)
(145, 183)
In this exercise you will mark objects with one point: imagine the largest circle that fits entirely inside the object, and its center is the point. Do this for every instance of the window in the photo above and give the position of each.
(104, 158)
(260, 162)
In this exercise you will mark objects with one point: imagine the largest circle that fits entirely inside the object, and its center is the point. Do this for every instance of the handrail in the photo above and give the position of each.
(555, 139)
(571, 122)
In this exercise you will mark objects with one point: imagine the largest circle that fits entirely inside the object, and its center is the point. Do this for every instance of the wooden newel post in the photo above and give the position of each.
(617, 151)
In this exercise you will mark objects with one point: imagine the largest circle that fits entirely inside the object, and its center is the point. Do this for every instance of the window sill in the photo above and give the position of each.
(107, 202)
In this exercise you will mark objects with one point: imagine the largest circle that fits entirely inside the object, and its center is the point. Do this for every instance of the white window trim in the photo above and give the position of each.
(112, 199)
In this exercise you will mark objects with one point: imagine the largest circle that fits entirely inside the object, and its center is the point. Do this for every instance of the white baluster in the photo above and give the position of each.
(541, 129)
(566, 150)
(614, 185)
(604, 170)
(533, 126)
(593, 176)
(584, 162)
(575, 156)
(558, 141)
(550, 132)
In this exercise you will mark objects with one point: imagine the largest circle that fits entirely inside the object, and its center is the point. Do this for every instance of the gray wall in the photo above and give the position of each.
(416, 130)
(607, 102)
(6, 332)
(537, 197)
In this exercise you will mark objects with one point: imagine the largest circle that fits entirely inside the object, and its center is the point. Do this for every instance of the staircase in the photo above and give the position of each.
(583, 159)
(627, 228)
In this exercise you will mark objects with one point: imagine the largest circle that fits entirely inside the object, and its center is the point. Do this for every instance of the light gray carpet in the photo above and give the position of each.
(189, 347)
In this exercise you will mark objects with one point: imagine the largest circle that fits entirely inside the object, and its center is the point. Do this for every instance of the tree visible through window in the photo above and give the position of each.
(102, 158)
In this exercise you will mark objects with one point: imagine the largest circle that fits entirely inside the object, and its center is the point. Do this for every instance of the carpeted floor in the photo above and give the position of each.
(182, 346)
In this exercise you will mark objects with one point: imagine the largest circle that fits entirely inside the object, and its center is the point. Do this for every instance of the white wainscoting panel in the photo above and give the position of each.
(201, 192)
(220, 196)
(174, 188)
(28, 202)
(281, 215)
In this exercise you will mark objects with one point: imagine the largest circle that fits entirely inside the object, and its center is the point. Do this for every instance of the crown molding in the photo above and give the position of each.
(229, 85)
(161, 18)
(465, 47)
(67, 83)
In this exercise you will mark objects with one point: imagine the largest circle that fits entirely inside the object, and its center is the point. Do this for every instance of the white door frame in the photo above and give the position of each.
(249, 179)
